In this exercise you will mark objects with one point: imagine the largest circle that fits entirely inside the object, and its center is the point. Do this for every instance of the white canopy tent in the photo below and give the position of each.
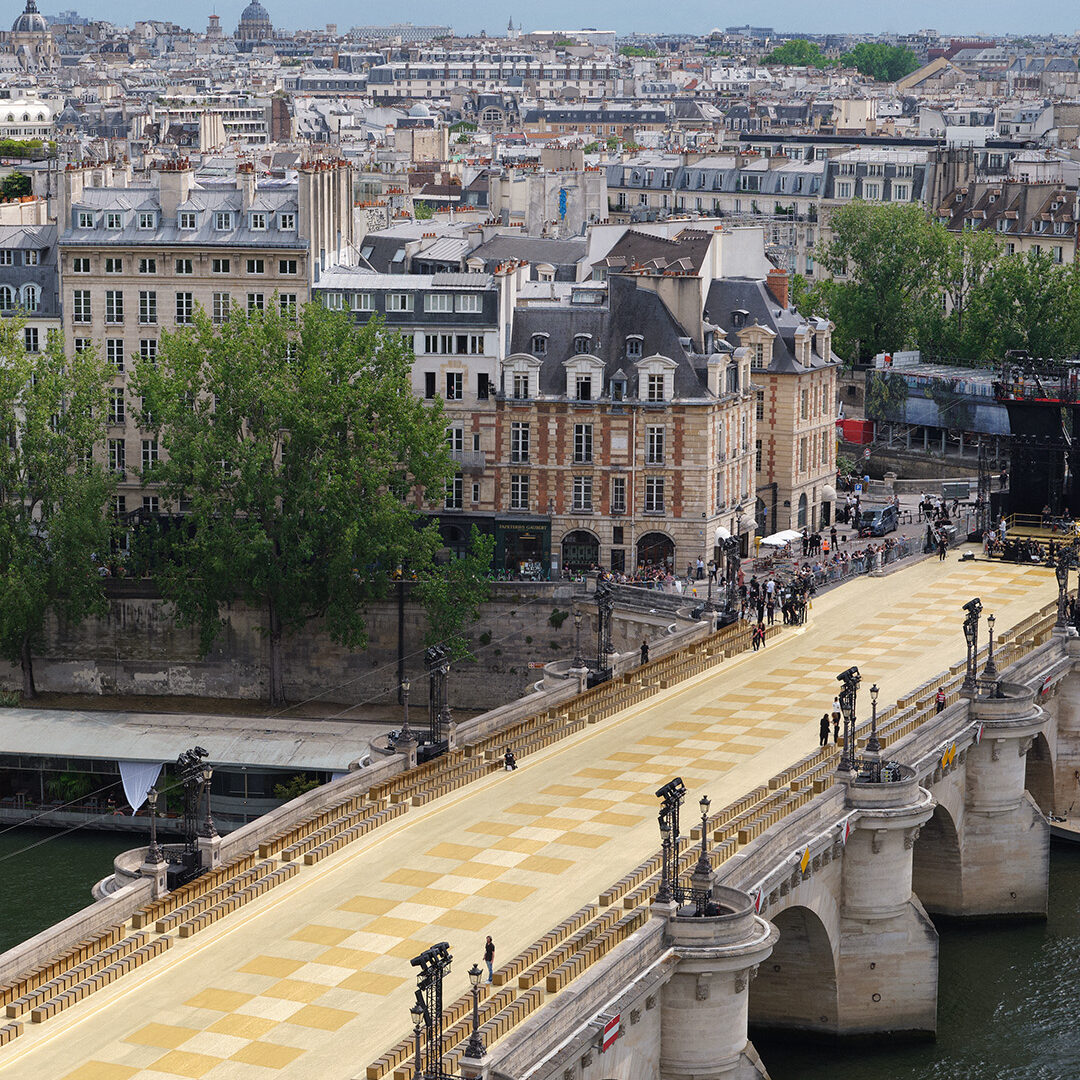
(782, 539)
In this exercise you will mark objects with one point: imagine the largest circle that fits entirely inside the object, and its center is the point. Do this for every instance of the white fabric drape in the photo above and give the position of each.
(138, 777)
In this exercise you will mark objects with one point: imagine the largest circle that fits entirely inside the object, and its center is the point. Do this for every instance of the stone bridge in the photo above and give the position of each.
(826, 928)
(291, 956)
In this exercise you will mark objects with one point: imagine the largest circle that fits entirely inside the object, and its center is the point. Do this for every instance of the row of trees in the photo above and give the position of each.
(906, 282)
(295, 448)
(874, 59)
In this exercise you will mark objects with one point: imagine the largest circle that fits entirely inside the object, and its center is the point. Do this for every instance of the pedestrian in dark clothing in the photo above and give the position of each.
(942, 548)
(644, 652)
(760, 610)
(509, 761)
(489, 957)
(824, 729)
(833, 538)
(770, 610)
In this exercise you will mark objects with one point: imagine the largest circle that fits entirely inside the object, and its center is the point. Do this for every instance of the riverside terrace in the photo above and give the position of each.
(510, 854)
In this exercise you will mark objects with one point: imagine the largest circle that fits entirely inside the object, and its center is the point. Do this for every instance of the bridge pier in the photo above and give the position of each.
(886, 967)
(1067, 749)
(704, 1004)
(1005, 839)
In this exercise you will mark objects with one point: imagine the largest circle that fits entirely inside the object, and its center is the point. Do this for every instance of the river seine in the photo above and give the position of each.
(1008, 1002)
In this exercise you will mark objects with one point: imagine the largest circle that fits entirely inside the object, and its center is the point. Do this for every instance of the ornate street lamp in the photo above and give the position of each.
(208, 827)
(873, 745)
(579, 660)
(154, 854)
(417, 1015)
(702, 876)
(475, 1048)
(406, 732)
(990, 672)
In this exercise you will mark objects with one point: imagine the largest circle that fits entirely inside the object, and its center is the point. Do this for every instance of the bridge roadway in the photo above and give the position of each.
(313, 979)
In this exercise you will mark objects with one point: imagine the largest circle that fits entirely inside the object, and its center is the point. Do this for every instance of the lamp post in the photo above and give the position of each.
(154, 854)
(579, 660)
(208, 828)
(873, 746)
(475, 1048)
(702, 875)
(406, 732)
(417, 1015)
(990, 672)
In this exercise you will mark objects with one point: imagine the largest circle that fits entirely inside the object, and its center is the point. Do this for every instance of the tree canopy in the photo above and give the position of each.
(903, 281)
(881, 62)
(799, 53)
(55, 534)
(294, 448)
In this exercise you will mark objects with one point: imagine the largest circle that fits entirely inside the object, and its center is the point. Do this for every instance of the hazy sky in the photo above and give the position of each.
(693, 16)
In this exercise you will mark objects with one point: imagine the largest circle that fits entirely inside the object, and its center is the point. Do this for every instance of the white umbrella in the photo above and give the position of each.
(780, 539)
(722, 534)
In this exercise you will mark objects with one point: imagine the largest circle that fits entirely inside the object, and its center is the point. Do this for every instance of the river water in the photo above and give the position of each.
(1008, 997)
(45, 876)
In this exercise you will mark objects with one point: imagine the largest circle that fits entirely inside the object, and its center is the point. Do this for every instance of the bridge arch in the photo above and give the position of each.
(796, 987)
(936, 867)
(1039, 774)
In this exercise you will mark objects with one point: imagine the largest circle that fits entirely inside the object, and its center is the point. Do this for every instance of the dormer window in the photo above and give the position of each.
(583, 387)
(654, 387)
(633, 347)
(86, 219)
(618, 389)
(582, 343)
(223, 220)
(258, 220)
(539, 344)
(114, 220)
(287, 223)
(147, 219)
(185, 220)
(738, 317)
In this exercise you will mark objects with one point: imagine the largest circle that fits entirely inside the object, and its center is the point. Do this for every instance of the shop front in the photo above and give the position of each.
(523, 548)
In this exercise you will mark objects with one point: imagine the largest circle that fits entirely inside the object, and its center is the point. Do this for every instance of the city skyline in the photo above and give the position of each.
(695, 18)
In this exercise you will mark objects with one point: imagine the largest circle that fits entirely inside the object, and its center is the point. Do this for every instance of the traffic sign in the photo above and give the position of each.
(612, 1030)
(866, 453)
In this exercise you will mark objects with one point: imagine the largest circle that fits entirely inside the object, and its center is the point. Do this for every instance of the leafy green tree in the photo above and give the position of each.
(15, 185)
(799, 53)
(1027, 302)
(54, 529)
(881, 62)
(422, 211)
(452, 594)
(961, 264)
(295, 450)
(884, 255)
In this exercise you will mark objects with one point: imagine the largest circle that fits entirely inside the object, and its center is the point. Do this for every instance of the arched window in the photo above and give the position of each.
(802, 512)
(7, 298)
(31, 297)
(539, 344)
(582, 343)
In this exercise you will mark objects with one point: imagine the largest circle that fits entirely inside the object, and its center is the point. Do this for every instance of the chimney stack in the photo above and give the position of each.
(777, 284)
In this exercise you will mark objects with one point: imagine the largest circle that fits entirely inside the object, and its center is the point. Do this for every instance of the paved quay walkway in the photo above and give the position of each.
(313, 980)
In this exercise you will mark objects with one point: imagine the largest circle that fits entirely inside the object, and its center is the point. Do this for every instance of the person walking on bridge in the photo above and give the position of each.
(939, 699)
(489, 957)
(824, 732)
(836, 720)
(644, 652)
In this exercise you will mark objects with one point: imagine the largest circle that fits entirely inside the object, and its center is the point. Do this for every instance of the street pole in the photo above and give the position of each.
(579, 660)
(154, 854)
(990, 672)
(475, 1048)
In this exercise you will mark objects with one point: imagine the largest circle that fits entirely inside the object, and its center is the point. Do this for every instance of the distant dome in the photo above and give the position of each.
(30, 21)
(253, 13)
(420, 110)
